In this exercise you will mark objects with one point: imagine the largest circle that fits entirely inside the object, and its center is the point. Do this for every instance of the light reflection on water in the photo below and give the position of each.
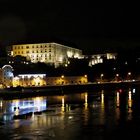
(72, 116)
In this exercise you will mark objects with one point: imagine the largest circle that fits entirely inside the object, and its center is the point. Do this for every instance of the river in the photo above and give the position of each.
(98, 115)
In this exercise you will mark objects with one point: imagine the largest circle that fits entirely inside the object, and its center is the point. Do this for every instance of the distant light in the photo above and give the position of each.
(102, 75)
(70, 117)
(134, 90)
(126, 63)
(85, 76)
(114, 68)
(66, 65)
(120, 90)
(129, 73)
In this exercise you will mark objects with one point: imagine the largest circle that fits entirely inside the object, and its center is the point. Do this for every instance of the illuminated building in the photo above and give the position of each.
(7, 75)
(52, 53)
(64, 80)
(26, 80)
(98, 58)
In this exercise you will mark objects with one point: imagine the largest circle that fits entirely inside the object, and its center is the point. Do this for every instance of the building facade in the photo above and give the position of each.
(37, 80)
(53, 53)
(66, 80)
(6, 76)
(29, 80)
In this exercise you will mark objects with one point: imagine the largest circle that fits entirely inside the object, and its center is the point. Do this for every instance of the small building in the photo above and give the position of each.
(29, 80)
(7, 75)
(66, 80)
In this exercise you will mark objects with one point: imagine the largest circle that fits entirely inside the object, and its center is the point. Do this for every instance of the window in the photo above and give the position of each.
(27, 51)
(49, 56)
(27, 47)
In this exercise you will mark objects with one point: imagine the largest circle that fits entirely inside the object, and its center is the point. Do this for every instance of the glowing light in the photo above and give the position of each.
(1, 104)
(12, 53)
(129, 73)
(134, 90)
(37, 80)
(66, 65)
(32, 75)
(129, 99)
(85, 76)
(102, 98)
(69, 54)
(102, 75)
(26, 106)
(63, 104)
(86, 100)
(60, 58)
(118, 99)
(102, 119)
(76, 55)
(62, 76)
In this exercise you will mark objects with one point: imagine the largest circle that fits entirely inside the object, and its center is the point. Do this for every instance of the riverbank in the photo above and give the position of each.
(61, 89)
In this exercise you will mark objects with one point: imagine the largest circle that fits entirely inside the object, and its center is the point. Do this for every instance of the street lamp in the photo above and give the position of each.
(101, 76)
(85, 76)
(62, 76)
(129, 75)
(117, 77)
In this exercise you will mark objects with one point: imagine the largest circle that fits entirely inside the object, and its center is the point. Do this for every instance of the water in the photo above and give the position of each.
(94, 115)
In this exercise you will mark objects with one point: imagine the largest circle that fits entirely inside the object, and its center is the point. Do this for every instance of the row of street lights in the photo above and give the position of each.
(116, 76)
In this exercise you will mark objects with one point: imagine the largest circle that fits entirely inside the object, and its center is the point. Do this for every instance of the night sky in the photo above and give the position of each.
(93, 26)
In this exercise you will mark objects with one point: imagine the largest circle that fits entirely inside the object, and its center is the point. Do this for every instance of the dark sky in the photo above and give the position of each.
(93, 26)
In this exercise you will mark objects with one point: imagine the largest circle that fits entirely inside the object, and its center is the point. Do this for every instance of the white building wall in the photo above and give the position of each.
(46, 52)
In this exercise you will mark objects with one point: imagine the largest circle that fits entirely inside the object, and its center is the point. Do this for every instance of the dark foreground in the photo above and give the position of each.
(99, 115)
